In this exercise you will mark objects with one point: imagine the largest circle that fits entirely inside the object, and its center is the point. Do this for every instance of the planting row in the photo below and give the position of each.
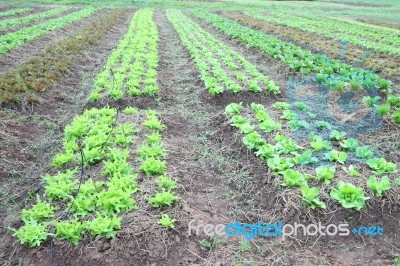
(38, 74)
(329, 71)
(379, 39)
(385, 64)
(97, 179)
(12, 40)
(19, 21)
(16, 11)
(133, 65)
(313, 164)
(221, 68)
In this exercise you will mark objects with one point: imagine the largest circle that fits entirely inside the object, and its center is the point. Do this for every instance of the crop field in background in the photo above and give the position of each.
(122, 122)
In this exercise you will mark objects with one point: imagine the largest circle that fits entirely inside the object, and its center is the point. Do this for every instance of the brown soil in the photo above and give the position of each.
(36, 22)
(386, 65)
(27, 51)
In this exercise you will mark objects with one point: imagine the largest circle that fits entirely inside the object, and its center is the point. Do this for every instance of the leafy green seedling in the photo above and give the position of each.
(378, 186)
(253, 140)
(62, 159)
(310, 197)
(104, 225)
(166, 221)
(40, 211)
(152, 166)
(233, 109)
(130, 110)
(325, 173)
(396, 117)
(305, 158)
(352, 171)
(336, 156)
(70, 231)
(281, 105)
(323, 125)
(392, 100)
(364, 152)
(338, 135)
(381, 166)
(166, 182)
(301, 106)
(383, 109)
(311, 115)
(296, 124)
(319, 144)
(349, 196)
(349, 144)
(369, 102)
(32, 233)
(293, 178)
(153, 123)
(165, 198)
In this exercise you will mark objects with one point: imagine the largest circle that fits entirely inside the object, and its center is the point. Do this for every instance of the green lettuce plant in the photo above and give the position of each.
(325, 173)
(40, 211)
(152, 166)
(349, 196)
(336, 156)
(293, 178)
(381, 166)
(31, 233)
(166, 221)
(103, 225)
(338, 135)
(379, 186)
(310, 197)
(233, 109)
(364, 152)
(349, 144)
(320, 144)
(70, 231)
(278, 163)
(253, 140)
(305, 158)
(352, 171)
(165, 198)
(166, 182)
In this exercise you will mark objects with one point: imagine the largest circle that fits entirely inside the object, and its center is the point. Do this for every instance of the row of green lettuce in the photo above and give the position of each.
(289, 160)
(12, 40)
(339, 76)
(7, 23)
(328, 71)
(133, 64)
(221, 68)
(383, 40)
(93, 181)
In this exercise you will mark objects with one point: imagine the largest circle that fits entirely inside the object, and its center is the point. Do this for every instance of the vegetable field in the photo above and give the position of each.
(124, 125)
